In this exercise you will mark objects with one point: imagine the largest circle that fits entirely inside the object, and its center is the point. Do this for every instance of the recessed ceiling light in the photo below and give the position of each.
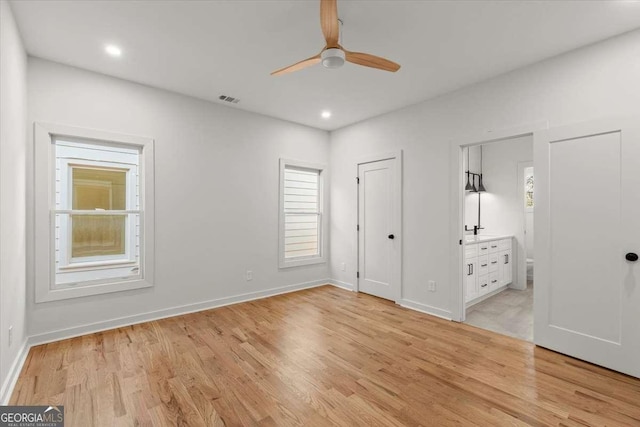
(113, 50)
(326, 114)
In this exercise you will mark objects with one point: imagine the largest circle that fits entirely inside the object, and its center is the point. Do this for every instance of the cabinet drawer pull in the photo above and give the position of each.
(494, 246)
(483, 286)
(494, 262)
(483, 249)
(506, 258)
(493, 281)
(483, 265)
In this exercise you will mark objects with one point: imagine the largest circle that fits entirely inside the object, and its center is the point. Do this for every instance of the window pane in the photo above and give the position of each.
(301, 235)
(98, 235)
(301, 189)
(95, 188)
(102, 252)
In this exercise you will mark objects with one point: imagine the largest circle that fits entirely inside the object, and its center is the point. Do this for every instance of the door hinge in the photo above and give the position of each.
(358, 275)
(357, 180)
(460, 242)
(358, 227)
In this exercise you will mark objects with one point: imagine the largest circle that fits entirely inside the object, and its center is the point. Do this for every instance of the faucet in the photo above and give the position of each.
(475, 230)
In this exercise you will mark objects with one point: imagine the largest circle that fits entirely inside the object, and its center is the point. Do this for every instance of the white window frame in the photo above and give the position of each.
(322, 223)
(44, 204)
(68, 262)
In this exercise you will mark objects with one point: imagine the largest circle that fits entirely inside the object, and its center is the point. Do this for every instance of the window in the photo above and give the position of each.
(301, 214)
(99, 225)
(528, 188)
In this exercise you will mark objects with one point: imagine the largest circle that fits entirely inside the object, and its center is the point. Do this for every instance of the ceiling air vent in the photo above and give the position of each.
(230, 99)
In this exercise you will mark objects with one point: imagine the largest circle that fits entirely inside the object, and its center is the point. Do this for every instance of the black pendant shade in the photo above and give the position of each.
(481, 188)
(471, 185)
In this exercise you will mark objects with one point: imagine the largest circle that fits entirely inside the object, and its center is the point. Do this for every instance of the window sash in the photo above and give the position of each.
(316, 236)
(70, 155)
(301, 195)
(301, 198)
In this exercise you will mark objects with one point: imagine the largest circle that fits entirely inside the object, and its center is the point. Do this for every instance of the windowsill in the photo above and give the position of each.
(284, 263)
(96, 265)
(96, 289)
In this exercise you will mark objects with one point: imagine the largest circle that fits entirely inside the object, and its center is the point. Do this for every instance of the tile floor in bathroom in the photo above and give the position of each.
(510, 313)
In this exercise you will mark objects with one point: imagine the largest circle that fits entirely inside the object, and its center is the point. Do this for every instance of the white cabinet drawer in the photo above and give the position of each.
(471, 251)
(483, 284)
(504, 244)
(483, 265)
(494, 262)
(494, 280)
(494, 246)
(483, 248)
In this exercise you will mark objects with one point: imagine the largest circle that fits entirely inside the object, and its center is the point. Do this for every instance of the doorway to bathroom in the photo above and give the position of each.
(498, 223)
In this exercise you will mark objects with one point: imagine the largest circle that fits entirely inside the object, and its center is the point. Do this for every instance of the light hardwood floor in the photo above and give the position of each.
(319, 357)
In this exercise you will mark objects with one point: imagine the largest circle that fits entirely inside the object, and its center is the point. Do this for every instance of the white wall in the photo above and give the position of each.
(502, 210)
(596, 81)
(13, 112)
(216, 191)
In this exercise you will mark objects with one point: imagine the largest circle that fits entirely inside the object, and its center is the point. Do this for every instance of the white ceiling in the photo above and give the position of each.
(208, 48)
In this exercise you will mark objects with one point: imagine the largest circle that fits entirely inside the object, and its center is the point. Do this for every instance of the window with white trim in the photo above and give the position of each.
(93, 211)
(97, 213)
(301, 214)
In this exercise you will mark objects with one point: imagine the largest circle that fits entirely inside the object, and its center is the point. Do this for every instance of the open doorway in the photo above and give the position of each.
(498, 242)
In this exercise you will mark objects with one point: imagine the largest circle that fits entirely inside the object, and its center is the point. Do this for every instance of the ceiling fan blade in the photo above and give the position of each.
(298, 66)
(329, 21)
(371, 61)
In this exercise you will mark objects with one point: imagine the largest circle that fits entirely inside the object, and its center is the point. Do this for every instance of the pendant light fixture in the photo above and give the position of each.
(469, 187)
(481, 188)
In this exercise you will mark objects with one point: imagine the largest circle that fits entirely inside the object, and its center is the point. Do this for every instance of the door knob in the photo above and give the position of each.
(391, 236)
(631, 257)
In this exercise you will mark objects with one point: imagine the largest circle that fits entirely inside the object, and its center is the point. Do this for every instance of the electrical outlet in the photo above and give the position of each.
(10, 335)
(343, 266)
(431, 285)
(249, 275)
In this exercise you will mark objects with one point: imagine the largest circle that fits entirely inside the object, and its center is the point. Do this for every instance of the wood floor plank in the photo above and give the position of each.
(319, 357)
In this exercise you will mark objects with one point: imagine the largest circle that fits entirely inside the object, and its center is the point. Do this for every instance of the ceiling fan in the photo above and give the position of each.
(333, 55)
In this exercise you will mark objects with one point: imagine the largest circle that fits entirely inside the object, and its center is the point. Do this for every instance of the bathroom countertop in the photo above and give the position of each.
(486, 238)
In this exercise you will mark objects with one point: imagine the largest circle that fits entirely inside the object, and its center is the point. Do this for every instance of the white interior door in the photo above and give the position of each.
(587, 298)
(378, 233)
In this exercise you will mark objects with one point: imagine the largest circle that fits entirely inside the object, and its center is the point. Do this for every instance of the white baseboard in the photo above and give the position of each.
(342, 285)
(424, 308)
(91, 328)
(14, 373)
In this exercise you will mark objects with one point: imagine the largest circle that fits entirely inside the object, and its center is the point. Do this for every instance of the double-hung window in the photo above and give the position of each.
(91, 193)
(302, 222)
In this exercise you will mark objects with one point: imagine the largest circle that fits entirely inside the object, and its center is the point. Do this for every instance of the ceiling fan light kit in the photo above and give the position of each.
(332, 58)
(333, 55)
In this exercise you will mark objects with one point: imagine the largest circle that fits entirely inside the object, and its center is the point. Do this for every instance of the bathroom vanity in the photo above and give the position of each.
(488, 266)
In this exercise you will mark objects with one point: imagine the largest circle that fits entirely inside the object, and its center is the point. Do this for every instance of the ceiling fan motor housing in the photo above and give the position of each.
(332, 58)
